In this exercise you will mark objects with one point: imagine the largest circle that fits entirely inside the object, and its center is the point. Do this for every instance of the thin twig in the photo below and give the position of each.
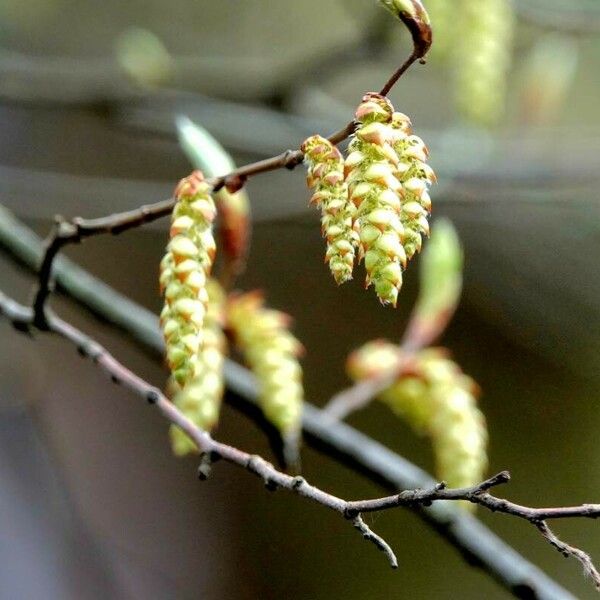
(360, 394)
(589, 570)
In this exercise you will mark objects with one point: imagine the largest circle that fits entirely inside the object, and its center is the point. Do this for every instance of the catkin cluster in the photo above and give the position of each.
(436, 399)
(326, 177)
(200, 398)
(376, 202)
(263, 337)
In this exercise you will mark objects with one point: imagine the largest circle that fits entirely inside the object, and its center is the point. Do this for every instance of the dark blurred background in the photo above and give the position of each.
(92, 503)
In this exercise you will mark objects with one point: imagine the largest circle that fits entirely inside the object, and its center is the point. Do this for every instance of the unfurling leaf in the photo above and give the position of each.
(207, 154)
(413, 14)
(440, 285)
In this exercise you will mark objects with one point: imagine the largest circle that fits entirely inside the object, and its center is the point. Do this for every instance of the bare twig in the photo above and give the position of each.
(476, 543)
(24, 318)
(589, 570)
(360, 394)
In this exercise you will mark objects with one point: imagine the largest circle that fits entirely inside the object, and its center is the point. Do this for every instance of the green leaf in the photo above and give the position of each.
(441, 287)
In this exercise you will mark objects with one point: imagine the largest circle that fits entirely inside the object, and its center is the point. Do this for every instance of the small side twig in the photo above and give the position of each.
(589, 570)
(360, 394)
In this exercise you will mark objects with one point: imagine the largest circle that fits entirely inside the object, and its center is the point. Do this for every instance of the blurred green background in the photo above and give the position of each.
(92, 503)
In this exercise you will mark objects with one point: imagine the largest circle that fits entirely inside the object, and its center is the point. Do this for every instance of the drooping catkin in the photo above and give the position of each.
(483, 56)
(200, 398)
(183, 274)
(271, 351)
(375, 191)
(436, 399)
(416, 176)
(326, 177)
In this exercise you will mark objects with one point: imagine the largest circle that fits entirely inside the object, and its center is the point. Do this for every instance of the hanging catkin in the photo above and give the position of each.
(416, 176)
(200, 398)
(326, 177)
(271, 351)
(388, 182)
(183, 274)
(482, 58)
(375, 191)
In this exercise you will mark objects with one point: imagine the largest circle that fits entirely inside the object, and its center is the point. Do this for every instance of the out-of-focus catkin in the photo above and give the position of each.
(272, 352)
(443, 21)
(183, 274)
(482, 57)
(436, 399)
(200, 398)
(326, 177)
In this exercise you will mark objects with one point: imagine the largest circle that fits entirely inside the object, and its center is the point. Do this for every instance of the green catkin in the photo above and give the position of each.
(375, 191)
(388, 181)
(183, 274)
(326, 177)
(416, 176)
(436, 399)
(272, 352)
(200, 398)
(482, 58)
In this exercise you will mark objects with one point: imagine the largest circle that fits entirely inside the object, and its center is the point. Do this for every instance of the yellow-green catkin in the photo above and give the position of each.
(436, 399)
(483, 57)
(200, 398)
(271, 351)
(375, 191)
(326, 177)
(416, 176)
(183, 274)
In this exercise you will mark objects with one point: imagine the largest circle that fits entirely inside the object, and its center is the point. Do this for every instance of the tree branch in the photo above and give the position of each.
(477, 544)
(23, 318)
